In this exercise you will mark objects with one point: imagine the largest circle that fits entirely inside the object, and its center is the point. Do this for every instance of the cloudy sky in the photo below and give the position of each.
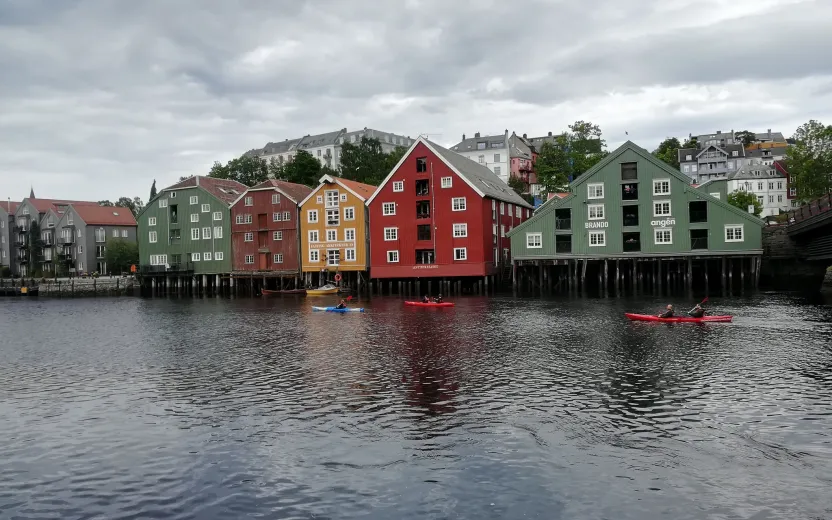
(100, 97)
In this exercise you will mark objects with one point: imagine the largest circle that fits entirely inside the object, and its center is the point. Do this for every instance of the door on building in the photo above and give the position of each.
(261, 221)
(263, 261)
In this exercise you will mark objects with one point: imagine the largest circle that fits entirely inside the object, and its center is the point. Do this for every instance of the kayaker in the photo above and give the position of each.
(342, 305)
(425, 299)
(697, 312)
(439, 298)
(668, 313)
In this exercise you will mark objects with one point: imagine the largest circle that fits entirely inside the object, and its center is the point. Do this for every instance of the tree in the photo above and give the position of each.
(517, 185)
(135, 204)
(105, 203)
(303, 169)
(569, 155)
(120, 255)
(153, 190)
(668, 151)
(742, 199)
(365, 162)
(809, 160)
(34, 245)
(745, 137)
(393, 158)
(691, 142)
(246, 169)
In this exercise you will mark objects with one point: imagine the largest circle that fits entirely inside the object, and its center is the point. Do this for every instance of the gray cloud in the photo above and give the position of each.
(100, 97)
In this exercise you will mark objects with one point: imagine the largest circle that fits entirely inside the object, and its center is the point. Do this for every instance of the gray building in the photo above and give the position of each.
(766, 154)
(711, 161)
(491, 151)
(83, 233)
(7, 233)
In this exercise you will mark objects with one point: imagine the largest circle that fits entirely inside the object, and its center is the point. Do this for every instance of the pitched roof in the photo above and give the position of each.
(315, 141)
(747, 172)
(224, 189)
(105, 215)
(282, 147)
(758, 150)
(44, 205)
(9, 207)
(365, 191)
(296, 192)
(492, 142)
(518, 147)
(770, 136)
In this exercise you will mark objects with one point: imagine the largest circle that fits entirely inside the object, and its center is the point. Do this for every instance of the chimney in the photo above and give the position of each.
(463, 137)
(477, 135)
(719, 132)
(550, 134)
(769, 133)
(506, 131)
(524, 136)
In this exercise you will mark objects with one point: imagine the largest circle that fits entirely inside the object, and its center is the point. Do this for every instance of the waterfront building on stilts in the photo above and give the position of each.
(438, 224)
(185, 238)
(632, 223)
(265, 237)
(334, 233)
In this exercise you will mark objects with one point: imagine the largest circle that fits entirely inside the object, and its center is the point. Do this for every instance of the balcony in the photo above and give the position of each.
(629, 191)
(422, 188)
(425, 256)
(19, 242)
(67, 240)
(632, 242)
(182, 267)
(423, 209)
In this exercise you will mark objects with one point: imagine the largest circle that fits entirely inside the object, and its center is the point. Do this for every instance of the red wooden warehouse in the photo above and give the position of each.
(265, 231)
(441, 215)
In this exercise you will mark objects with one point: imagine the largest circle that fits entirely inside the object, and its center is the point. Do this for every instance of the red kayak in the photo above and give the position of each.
(679, 319)
(431, 304)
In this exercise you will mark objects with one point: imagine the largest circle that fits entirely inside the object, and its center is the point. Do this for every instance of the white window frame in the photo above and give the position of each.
(195, 233)
(312, 216)
(595, 207)
(349, 254)
(249, 201)
(343, 198)
(248, 236)
(662, 231)
(391, 234)
(658, 185)
(715, 195)
(172, 195)
(218, 215)
(206, 256)
(277, 235)
(460, 254)
(115, 233)
(319, 199)
(398, 186)
(349, 213)
(331, 235)
(392, 257)
(313, 236)
(240, 219)
(388, 208)
(217, 232)
(124, 233)
(194, 217)
(592, 190)
(196, 257)
(460, 230)
(151, 221)
(660, 204)
(278, 258)
(534, 240)
(206, 208)
(218, 255)
(734, 228)
(152, 237)
(314, 255)
(248, 260)
(194, 200)
(333, 217)
(347, 233)
(601, 243)
(459, 204)
(206, 233)
(447, 182)
(277, 216)
(287, 216)
(275, 198)
(163, 203)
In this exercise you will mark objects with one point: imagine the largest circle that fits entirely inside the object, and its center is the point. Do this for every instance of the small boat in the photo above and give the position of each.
(267, 292)
(431, 304)
(679, 319)
(324, 289)
(334, 309)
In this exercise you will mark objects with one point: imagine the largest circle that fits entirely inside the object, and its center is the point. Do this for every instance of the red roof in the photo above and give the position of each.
(557, 195)
(105, 215)
(44, 205)
(224, 189)
(293, 190)
(365, 191)
(9, 207)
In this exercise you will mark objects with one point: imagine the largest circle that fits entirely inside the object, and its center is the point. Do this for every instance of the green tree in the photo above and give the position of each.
(34, 246)
(135, 204)
(121, 254)
(393, 158)
(745, 137)
(303, 169)
(365, 162)
(275, 169)
(105, 203)
(552, 166)
(246, 169)
(569, 155)
(517, 185)
(809, 160)
(326, 170)
(691, 142)
(742, 199)
(153, 190)
(668, 151)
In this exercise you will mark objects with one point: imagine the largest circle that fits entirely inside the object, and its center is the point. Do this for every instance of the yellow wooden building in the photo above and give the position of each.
(335, 238)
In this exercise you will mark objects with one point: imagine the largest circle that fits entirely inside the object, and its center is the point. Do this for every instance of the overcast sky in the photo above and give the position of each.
(100, 97)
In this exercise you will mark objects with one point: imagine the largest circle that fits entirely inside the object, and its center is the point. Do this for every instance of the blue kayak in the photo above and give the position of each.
(333, 309)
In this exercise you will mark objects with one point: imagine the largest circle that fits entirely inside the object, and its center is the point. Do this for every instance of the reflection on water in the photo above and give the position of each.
(497, 408)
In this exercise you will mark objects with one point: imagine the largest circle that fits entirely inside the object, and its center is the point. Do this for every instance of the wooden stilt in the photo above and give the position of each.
(724, 273)
(617, 277)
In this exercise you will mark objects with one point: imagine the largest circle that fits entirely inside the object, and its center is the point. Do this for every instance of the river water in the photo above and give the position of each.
(498, 408)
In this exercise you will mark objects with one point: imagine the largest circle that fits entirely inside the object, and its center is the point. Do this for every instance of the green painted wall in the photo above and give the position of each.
(185, 245)
(609, 173)
(719, 186)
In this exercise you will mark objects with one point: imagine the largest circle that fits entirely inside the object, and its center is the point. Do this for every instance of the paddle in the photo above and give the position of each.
(700, 304)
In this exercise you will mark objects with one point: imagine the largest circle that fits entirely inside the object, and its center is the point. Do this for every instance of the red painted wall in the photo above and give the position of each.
(263, 235)
(479, 242)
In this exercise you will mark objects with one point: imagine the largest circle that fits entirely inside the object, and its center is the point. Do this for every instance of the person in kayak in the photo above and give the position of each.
(438, 299)
(425, 299)
(697, 312)
(668, 313)
(342, 305)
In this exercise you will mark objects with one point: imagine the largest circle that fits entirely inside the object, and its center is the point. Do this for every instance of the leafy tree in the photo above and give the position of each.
(303, 169)
(105, 203)
(552, 166)
(393, 158)
(569, 155)
(668, 151)
(745, 137)
(691, 142)
(326, 170)
(121, 254)
(153, 190)
(34, 245)
(517, 185)
(809, 160)
(365, 162)
(246, 169)
(135, 204)
(742, 199)
(275, 169)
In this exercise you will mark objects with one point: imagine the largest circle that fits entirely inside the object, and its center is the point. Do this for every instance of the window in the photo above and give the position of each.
(597, 238)
(496, 157)
(388, 208)
(276, 217)
(194, 199)
(248, 219)
(447, 182)
(629, 171)
(735, 153)
(277, 235)
(312, 216)
(333, 256)
(460, 253)
(458, 204)
(779, 198)
(206, 208)
(481, 159)
(217, 231)
(248, 237)
(206, 233)
(195, 233)
(331, 198)
(313, 255)
(115, 233)
(792, 192)
(278, 258)
(151, 237)
(596, 211)
(333, 217)
(771, 185)
(319, 199)
(391, 233)
(686, 168)
(502, 208)
(217, 215)
(331, 235)
(287, 216)
(195, 257)
(151, 221)
(343, 197)
(349, 213)
(534, 240)
(239, 219)
(158, 259)
(194, 217)
(206, 256)
(730, 165)
(163, 203)
(460, 230)
(770, 199)
(761, 199)
(663, 236)
(392, 257)
(123, 233)
(421, 164)
(349, 235)
(313, 235)
(349, 255)
(733, 233)
(518, 212)
(661, 187)
(275, 198)
(595, 191)
(688, 157)
(249, 259)
(693, 168)
(173, 194)
(497, 170)
(780, 185)
(714, 195)
(249, 201)
(759, 186)
(661, 209)
(398, 185)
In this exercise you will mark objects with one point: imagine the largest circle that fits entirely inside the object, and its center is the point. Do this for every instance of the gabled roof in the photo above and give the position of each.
(492, 142)
(282, 147)
(44, 205)
(53, 213)
(9, 207)
(359, 189)
(293, 191)
(481, 179)
(760, 151)
(316, 141)
(105, 215)
(518, 147)
(225, 190)
(747, 172)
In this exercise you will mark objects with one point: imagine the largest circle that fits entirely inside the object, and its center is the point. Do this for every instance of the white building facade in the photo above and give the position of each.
(491, 151)
(764, 181)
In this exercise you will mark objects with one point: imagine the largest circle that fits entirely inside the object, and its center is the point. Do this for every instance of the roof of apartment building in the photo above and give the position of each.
(9, 206)
(729, 149)
(492, 142)
(749, 171)
(224, 189)
(296, 192)
(519, 147)
(105, 215)
(282, 147)
(316, 141)
(770, 136)
(758, 151)
(44, 205)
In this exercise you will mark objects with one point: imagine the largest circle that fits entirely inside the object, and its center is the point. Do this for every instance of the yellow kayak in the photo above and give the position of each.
(323, 290)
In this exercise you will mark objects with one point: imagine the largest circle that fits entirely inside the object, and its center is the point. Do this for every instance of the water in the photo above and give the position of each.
(498, 408)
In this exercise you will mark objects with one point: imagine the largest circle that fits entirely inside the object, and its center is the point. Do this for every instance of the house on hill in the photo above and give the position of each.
(632, 221)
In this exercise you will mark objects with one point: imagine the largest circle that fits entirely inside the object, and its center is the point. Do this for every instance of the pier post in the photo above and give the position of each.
(731, 275)
(723, 274)
(583, 275)
(606, 277)
(757, 261)
(540, 275)
(690, 275)
(617, 276)
(706, 276)
(659, 276)
(742, 274)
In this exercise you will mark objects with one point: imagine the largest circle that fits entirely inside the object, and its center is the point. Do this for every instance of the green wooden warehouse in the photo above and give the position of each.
(632, 222)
